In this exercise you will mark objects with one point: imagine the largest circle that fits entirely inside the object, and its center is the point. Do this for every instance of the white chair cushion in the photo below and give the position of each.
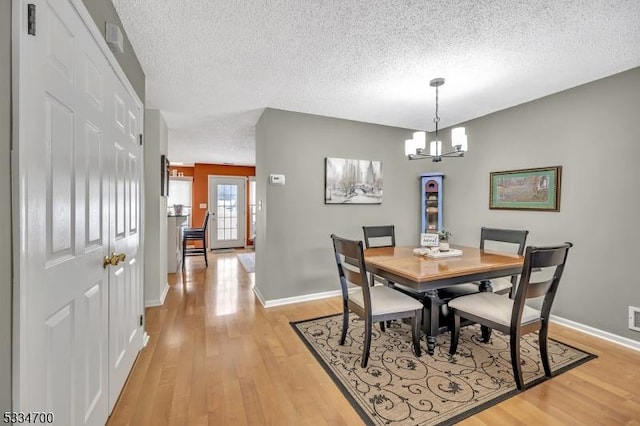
(501, 284)
(385, 300)
(379, 280)
(494, 307)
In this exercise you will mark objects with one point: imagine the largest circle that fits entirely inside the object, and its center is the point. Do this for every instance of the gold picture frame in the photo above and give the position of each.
(526, 189)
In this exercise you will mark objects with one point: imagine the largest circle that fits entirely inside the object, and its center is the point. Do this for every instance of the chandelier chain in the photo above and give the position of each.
(436, 119)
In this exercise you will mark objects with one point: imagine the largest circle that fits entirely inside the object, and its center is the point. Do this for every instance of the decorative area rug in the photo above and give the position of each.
(396, 388)
(248, 261)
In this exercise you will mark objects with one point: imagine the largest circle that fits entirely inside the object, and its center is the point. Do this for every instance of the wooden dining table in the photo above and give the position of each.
(426, 275)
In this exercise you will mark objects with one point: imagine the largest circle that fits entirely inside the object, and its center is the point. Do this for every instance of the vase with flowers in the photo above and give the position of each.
(443, 236)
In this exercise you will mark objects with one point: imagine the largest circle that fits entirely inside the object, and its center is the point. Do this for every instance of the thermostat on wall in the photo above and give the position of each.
(276, 179)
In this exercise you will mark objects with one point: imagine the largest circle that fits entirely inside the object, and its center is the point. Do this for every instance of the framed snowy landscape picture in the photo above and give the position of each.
(350, 181)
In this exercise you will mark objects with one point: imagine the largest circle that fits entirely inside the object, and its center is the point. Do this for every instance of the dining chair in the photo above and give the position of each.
(504, 240)
(371, 303)
(511, 240)
(195, 234)
(511, 315)
(379, 236)
(503, 237)
(374, 234)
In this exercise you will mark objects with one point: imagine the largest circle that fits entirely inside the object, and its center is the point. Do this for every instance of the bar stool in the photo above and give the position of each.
(195, 234)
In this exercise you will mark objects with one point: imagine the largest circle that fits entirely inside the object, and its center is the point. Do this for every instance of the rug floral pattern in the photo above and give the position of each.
(397, 388)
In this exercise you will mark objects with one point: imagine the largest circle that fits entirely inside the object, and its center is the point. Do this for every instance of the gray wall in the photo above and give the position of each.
(155, 215)
(293, 248)
(5, 206)
(591, 130)
(102, 11)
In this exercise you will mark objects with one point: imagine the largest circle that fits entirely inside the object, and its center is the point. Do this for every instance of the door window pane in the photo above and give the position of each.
(252, 208)
(227, 212)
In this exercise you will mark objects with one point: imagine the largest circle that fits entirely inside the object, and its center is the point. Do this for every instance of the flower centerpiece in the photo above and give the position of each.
(443, 235)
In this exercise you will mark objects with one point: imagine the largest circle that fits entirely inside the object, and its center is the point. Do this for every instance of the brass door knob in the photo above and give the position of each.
(113, 260)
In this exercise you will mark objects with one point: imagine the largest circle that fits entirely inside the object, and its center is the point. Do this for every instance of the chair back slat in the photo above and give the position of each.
(351, 261)
(545, 258)
(538, 289)
(349, 256)
(348, 248)
(513, 236)
(352, 276)
(206, 221)
(510, 236)
(534, 259)
(380, 231)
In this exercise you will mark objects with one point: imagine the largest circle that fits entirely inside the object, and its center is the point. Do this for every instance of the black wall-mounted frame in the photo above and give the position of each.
(164, 176)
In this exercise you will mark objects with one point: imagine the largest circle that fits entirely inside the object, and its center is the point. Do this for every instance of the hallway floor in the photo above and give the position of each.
(216, 357)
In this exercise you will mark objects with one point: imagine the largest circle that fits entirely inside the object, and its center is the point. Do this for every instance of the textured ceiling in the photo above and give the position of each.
(213, 66)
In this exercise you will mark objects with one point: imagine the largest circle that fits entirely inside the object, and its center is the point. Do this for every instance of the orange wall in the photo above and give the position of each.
(200, 173)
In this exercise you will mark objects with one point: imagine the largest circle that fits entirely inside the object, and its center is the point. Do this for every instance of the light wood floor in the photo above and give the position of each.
(216, 357)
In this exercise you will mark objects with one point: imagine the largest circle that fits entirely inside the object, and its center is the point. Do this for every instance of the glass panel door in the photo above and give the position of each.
(227, 205)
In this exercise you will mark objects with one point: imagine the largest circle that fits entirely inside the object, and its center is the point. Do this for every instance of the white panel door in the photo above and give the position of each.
(64, 288)
(125, 284)
(227, 205)
(69, 152)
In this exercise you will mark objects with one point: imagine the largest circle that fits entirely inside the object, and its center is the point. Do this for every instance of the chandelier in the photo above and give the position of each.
(415, 148)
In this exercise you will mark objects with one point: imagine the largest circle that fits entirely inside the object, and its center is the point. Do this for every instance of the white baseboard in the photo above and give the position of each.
(145, 339)
(258, 295)
(164, 293)
(158, 302)
(296, 299)
(605, 335)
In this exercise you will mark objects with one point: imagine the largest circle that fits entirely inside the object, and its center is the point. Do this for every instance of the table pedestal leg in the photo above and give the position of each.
(485, 285)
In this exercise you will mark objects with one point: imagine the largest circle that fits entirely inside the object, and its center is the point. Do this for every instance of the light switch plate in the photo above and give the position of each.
(276, 179)
(203, 205)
